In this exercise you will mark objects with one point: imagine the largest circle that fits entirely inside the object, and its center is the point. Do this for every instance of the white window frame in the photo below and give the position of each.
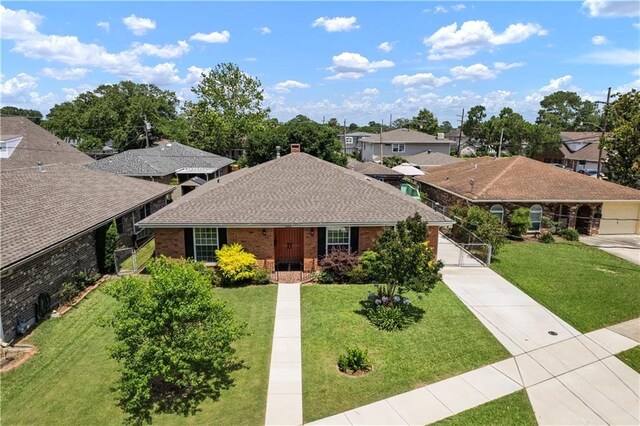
(195, 245)
(538, 210)
(497, 213)
(348, 140)
(395, 147)
(335, 228)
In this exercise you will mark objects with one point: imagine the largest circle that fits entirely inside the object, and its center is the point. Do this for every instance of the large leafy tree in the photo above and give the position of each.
(567, 111)
(227, 109)
(425, 122)
(314, 138)
(114, 112)
(472, 127)
(623, 147)
(174, 341)
(445, 127)
(31, 114)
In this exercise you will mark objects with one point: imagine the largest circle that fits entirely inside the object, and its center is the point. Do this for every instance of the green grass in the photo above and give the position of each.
(583, 285)
(511, 410)
(448, 341)
(143, 255)
(631, 357)
(70, 378)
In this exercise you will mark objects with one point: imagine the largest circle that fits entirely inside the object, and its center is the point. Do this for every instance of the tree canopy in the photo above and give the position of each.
(31, 114)
(623, 147)
(114, 112)
(227, 109)
(567, 111)
(425, 122)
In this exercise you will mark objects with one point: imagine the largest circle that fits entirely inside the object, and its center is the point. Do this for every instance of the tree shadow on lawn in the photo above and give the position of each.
(413, 313)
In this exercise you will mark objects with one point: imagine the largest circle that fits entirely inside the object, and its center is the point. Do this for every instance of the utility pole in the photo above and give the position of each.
(344, 136)
(604, 131)
(460, 132)
(390, 120)
(500, 146)
(381, 146)
(147, 127)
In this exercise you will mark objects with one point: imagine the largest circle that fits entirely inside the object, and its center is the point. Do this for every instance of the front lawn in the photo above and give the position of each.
(511, 410)
(631, 357)
(70, 378)
(448, 341)
(583, 285)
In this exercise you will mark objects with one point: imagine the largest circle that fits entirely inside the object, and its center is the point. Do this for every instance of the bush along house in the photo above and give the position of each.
(288, 212)
(500, 185)
(53, 214)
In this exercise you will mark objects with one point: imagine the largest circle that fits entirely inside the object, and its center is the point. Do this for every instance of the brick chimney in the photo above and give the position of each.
(295, 147)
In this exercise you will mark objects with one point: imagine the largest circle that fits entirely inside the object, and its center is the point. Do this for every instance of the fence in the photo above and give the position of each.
(472, 251)
(130, 261)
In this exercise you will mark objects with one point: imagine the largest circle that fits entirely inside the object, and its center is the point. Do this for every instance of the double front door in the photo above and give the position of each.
(289, 245)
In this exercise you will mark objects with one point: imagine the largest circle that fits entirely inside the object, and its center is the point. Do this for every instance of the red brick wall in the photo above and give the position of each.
(310, 249)
(368, 237)
(254, 242)
(170, 242)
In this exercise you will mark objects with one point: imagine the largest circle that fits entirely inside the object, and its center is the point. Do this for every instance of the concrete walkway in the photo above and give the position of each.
(624, 246)
(284, 397)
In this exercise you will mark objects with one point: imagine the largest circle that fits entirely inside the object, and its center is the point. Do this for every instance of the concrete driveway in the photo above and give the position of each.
(624, 246)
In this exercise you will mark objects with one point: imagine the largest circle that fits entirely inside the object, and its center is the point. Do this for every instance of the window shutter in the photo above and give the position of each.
(222, 237)
(188, 243)
(322, 242)
(354, 239)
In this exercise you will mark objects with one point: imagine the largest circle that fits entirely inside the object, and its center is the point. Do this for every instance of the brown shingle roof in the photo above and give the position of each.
(569, 137)
(522, 179)
(588, 153)
(370, 168)
(427, 158)
(37, 144)
(295, 190)
(41, 209)
(405, 136)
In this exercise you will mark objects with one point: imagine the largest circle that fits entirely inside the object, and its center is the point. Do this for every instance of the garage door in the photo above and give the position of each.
(620, 218)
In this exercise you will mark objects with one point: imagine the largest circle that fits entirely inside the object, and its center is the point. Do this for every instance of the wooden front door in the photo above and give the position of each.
(288, 244)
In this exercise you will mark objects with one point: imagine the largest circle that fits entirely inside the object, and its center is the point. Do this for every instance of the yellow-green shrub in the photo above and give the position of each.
(235, 264)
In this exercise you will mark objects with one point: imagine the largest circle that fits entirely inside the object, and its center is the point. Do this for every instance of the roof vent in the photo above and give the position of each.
(278, 151)
(295, 147)
(40, 166)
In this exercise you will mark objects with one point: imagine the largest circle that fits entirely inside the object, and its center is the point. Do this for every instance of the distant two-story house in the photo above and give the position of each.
(352, 142)
(402, 142)
(579, 152)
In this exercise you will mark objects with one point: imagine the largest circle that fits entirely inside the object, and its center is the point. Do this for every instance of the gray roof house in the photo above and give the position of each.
(428, 159)
(376, 171)
(402, 142)
(50, 217)
(352, 142)
(288, 211)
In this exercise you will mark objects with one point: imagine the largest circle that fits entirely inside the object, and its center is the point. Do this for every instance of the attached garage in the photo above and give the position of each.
(620, 218)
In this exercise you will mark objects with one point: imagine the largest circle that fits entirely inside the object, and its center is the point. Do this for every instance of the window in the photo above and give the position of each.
(397, 147)
(338, 238)
(348, 140)
(535, 215)
(119, 225)
(205, 242)
(140, 214)
(498, 211)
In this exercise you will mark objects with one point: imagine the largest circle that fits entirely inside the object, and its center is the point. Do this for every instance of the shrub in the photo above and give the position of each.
(84, 280)
(392, 161)
(354, 360)
(323, 277)
(519, 222)
(367, 261)
(236, 265)
(359, 275)
(68, 291)
(546, 237)
(388, 313)
(553, 226)
(482, 223)
(106, 244)
(570, 234)
(339, 263)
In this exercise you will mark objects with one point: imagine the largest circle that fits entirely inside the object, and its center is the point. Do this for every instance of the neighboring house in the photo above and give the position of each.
(376, 171)
(402, 142)
(592, 206)
(579, 152)
(457, 136)
(352, 142)
(49, 217)
(428, 159)
(165, 162)
(289, 212)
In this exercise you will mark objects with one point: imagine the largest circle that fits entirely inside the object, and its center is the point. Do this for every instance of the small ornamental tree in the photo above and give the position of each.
(236, 265)
(106, 245)
(174, 340)
(392, 161)
(519, 222)
(483, 224)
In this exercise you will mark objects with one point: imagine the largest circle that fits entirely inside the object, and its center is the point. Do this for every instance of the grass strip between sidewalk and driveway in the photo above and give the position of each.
(71, 376)
(631, 357)
(446, 342)
(583, 285)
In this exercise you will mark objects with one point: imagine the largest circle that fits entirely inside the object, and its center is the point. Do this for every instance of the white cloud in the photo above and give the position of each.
(439, 9)
(286, 86)
(451, 42)
(502, 66)
(561, 83)
(473, 72)
(371, 91)
(104, 25)
(458, 7)
(263, 30)
(18, 24)
(386, 46)
(65, 73)
(214, 37)
(337, 24)
(611, 8)
(139, 26)
(420, 79)
(636, 72)
(194, 74)
(251, 59)
(349, 65)
(70, 93)
(636, 24)
(613, 57)
(166, 51)
(18, 85)
(599, 40)
(161, 74)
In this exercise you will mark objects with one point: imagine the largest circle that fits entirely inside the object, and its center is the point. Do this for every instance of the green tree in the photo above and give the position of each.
(445, 127)
(401, 122)
(174, 341)
(227, 109)
(567, 111)
(353, 127)
(425, 122)
(31, 114)
(392, 161)
(107, 239)
(114, 112)
(482, 223)
(623, 148)
(519, 222)
(333, 122)
(472, 127)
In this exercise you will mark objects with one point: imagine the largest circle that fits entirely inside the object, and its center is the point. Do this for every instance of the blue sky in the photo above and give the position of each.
(356, 61)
